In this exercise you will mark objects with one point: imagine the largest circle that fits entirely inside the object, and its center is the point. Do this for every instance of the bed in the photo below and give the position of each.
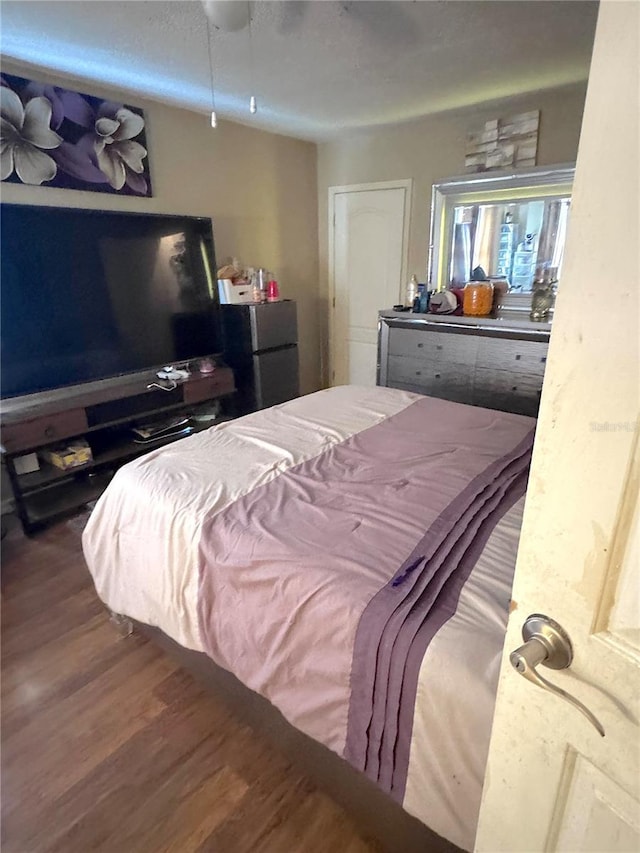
(348, 556)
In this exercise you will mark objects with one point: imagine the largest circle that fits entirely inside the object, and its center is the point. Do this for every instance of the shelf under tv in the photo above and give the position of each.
(105, 423)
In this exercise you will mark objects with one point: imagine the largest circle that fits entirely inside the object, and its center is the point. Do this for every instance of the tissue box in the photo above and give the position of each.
(69, 455)
(234, 294)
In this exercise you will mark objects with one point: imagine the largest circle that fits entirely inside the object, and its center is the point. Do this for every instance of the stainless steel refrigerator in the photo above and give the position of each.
(261, 346)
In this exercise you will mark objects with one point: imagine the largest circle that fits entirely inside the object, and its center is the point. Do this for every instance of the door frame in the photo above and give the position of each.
(405, 184)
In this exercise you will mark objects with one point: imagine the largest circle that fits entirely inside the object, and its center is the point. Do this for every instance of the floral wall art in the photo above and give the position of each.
(53, 137)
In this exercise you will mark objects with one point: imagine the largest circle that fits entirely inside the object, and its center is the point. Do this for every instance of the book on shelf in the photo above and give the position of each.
(160, 429)
(179, 432)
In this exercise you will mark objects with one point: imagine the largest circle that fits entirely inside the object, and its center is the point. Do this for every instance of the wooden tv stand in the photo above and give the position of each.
(102, 413)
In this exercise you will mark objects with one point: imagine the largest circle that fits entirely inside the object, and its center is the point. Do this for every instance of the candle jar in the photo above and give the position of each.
(477, 300)
(541, 302)
(543, 296)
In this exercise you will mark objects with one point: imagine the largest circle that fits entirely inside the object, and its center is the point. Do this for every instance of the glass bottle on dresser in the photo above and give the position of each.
(412, 292)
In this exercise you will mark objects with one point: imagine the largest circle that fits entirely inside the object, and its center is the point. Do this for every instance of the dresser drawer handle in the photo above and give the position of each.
(50, 432)
(514, 387)
(438, 346)
(518, 357)
(418, 373)
(437, 376)
(420, 346)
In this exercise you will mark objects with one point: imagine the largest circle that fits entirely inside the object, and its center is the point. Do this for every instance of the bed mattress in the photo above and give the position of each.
(348, 555)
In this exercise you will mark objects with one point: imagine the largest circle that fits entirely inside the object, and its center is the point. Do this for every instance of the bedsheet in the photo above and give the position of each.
(348, 555)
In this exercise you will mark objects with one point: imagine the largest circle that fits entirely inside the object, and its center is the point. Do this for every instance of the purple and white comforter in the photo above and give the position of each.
(347, 555)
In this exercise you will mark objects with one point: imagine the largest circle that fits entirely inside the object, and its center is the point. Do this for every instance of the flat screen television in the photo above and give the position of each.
(87, 295)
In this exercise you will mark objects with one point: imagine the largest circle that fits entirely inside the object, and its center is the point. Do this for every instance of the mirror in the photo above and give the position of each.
(510, 224)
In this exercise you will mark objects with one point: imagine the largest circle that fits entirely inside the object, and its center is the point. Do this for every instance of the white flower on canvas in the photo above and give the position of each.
(119, 156)
(25, 135)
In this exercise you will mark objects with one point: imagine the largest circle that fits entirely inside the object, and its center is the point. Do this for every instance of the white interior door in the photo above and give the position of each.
(368, 245)
(552, 782)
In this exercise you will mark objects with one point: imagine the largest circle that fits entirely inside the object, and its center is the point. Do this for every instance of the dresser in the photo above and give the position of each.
(495, 363)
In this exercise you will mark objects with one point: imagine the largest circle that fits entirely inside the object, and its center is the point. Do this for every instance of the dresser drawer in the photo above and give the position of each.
(43, 430)
(200, 388)
(408, 342)
(448, 381)
(456, 349)
(404, 369)
(432, 345)
(507, 391)
(511, 355)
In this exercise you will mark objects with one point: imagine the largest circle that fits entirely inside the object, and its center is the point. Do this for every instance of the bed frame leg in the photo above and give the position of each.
(122, 624)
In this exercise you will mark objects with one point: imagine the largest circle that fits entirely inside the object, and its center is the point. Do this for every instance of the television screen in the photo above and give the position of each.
(87, 294)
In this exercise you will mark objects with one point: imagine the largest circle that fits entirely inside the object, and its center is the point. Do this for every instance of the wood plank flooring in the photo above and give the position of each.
(107, 745)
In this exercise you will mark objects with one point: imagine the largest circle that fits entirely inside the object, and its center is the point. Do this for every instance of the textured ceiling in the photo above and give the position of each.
(319, 68)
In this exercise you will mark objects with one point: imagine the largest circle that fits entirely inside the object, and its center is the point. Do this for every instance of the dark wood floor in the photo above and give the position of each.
(108, 745)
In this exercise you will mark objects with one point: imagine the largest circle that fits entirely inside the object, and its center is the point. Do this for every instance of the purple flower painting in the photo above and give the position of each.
(57, 138)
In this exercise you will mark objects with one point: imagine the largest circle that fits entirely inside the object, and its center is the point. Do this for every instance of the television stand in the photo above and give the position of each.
(104, 417)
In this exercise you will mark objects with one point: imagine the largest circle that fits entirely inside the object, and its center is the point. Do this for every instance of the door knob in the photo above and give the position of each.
(547, 643)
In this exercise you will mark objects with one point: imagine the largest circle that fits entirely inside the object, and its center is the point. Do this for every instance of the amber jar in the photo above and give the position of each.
(478, 299)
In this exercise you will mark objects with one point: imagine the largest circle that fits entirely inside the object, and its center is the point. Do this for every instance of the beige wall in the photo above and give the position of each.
(430, 149)
(259, 188)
